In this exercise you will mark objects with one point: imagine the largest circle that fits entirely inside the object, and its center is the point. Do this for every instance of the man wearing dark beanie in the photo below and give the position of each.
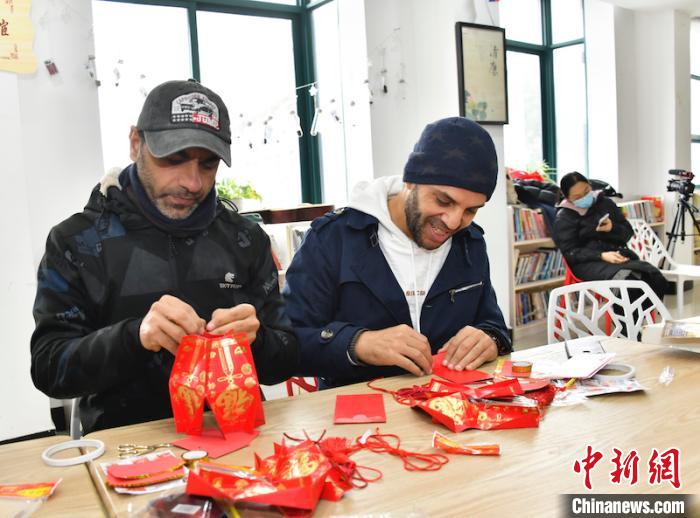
(402, 273)
(155, 256)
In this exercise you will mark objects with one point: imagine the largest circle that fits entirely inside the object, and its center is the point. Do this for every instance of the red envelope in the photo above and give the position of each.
(359, 408)
(141, 467)
(215, 443)
(457, 376)
(145, 481)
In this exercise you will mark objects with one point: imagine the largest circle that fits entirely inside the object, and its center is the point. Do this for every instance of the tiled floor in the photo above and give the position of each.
(691, 307)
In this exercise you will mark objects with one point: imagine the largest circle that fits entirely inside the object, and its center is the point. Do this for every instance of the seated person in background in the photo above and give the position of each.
(402, 273)
(155, 256)
(596, 249)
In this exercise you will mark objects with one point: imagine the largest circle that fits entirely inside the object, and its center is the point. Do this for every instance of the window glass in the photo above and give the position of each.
(522, 20)
(695, 106)
(259, 89)
(570, 109)
(695, 47)
(344, 134)
(567, 20)
(523, 133)
(156, 49)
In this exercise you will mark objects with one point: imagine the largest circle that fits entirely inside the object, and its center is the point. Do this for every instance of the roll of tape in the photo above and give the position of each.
(521, 368)
(72, 461)
(615, 371)
(192, 457)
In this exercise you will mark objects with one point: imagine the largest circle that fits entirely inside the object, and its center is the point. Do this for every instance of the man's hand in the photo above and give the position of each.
(399, 345)
(168, 320)
(605, 226)
(468, 349)
(613, 257)
(238, 319)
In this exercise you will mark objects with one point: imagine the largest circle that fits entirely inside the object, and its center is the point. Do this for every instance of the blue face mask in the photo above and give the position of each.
(585, 202)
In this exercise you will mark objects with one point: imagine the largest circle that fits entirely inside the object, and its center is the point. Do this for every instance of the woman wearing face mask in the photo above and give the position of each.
(595, 247)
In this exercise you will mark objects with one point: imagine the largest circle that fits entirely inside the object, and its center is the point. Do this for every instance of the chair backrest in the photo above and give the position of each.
(647, 245)
(578, 309)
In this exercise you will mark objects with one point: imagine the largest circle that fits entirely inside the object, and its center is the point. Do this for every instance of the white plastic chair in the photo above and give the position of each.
(577, 309)
(647, 245)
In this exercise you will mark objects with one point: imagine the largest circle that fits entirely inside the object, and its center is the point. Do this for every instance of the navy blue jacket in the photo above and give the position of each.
(339, 283)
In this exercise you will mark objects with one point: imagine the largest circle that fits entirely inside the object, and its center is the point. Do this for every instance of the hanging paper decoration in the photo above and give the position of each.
(16, 35)
(218, 369)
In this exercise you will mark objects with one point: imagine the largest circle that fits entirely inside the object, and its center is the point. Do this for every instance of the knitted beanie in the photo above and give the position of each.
(456, 152)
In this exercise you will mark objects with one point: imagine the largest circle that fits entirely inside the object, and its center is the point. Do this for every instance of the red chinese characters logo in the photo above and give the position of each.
(625, 468)
(3, 27)
(587, 464)
(663, 467)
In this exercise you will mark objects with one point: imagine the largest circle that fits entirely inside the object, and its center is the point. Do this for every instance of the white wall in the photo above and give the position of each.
(421, 35)
(49, 143)
(601, 92)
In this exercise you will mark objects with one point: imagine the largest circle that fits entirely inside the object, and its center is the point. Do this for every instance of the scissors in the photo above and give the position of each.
(131, 450)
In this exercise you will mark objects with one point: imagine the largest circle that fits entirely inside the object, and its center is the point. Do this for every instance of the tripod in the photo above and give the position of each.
(678, 228)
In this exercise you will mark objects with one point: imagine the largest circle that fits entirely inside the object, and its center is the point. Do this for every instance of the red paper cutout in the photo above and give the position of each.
(141, 467)
(215, 443)
(464, 376)
(145, 481)
(359, 408)
(220, 370)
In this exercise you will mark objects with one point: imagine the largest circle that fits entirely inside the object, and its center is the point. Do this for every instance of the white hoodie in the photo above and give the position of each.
(415, 268)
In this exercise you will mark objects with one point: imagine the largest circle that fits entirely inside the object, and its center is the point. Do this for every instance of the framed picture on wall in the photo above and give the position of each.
(481, 73)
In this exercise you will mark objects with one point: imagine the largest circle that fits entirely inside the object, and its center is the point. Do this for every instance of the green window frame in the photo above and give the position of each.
(300, 17)
(545, 52)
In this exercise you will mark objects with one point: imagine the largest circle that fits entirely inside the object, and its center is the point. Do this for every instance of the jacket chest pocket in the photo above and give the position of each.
(471, 289)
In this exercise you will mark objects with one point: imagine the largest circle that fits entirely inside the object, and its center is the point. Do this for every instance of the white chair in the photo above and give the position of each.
(578, 309)
(647, 245)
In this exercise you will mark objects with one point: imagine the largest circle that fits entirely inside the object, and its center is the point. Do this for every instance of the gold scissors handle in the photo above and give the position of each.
(131, 450)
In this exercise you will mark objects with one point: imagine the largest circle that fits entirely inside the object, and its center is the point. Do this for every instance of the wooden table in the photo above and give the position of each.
(536, 464)
(75, 496)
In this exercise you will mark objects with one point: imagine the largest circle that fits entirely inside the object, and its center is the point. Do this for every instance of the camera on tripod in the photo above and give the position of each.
(681, 182)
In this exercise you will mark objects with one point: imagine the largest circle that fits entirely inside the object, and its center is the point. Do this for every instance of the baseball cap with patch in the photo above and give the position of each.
(184, 114)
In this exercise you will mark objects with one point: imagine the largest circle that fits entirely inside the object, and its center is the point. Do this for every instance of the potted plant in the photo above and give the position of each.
(244, 196)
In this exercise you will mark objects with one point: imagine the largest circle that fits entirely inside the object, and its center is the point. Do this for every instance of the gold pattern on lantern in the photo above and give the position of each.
(250, 382)
(246, 369)
(189, 399)
(233, 403)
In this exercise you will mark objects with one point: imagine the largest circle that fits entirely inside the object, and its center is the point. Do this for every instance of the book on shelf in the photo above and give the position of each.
(540, 265)
(528, 224)
(649, 208)
(531, 306)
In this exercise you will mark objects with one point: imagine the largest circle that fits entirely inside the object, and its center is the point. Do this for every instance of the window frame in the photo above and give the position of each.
(545, 52)
(302, 42)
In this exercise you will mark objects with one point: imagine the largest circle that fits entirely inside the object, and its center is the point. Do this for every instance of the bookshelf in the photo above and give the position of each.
(537, 267)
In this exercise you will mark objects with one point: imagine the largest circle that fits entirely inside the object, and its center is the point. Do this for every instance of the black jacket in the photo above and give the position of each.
(103, 269)
(582, 245)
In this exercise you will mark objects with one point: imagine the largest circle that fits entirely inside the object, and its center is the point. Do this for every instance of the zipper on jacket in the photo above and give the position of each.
(455, 291)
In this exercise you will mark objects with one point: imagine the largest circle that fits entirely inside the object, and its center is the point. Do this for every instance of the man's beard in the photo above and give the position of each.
(159, 201)
(416, 222)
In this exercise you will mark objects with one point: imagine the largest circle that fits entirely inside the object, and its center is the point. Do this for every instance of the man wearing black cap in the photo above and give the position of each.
(155, 256)
(379, 287)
